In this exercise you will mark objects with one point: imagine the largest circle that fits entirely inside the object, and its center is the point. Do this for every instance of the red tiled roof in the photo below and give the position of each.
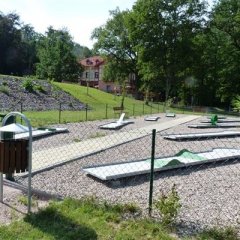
(92, 61)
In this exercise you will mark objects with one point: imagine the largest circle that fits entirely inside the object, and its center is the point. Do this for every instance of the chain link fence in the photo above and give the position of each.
(207, 184)
(114, 165)
(62, 112)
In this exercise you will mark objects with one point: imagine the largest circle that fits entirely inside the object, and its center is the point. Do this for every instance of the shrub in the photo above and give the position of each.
(4, 89)
(236, 103)
(39, 88)
(28, 84)
(169, 102)
(219, 234)
(169, 206)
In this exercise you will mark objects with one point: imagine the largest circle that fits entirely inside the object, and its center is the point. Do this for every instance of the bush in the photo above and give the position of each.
(219, 234)
(39, 88)
(169, 206)
(236, 103)
(28, 85)
(4, 89)
(169, 102)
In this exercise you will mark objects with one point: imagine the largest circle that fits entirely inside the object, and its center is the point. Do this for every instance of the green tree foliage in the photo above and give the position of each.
(11, 51)
(226, 21)
(216, 55)
(164, 31)
(236, 103)
(81, 52)
(22, 49)
(56, 59)
(29, 41)
(226, 18)
(17, 46)
(114, 43)
(114, 70)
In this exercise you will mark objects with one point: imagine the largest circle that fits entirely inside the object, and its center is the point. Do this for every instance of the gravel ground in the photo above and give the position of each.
(14, 205)
(15, 97)
(209, 193)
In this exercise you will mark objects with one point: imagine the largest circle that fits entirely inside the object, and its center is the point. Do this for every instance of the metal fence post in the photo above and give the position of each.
(59, 113)
(151, 172)
(106, 116)
(21, 107)
(143, 109)
(133, 110)
(86, 108)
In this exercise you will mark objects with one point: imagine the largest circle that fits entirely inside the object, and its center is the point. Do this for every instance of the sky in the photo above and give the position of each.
(80, 17)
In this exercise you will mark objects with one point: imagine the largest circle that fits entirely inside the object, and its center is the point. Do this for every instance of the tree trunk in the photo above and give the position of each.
(147, 96)
(123, 94)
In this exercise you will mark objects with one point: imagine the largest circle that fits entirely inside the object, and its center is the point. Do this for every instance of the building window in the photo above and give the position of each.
(86, 75)
(96, 75)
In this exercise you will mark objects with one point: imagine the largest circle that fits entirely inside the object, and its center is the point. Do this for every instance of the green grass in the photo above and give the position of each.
(98, 100)
(88, 219)
(219, 234)
(100, 106)
(85, 220)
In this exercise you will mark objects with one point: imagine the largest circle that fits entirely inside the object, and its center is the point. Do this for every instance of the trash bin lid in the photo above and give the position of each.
(15, 128)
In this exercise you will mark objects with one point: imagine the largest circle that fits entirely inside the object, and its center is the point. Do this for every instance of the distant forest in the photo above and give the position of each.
(26, 52)
(179, 50)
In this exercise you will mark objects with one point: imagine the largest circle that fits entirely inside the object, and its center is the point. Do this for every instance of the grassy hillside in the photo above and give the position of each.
(98, 99)
(100, 106)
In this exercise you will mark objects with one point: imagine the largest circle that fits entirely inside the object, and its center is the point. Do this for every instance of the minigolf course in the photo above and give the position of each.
(183, 158)
(77, 150)
(216, 122)
(204, 135)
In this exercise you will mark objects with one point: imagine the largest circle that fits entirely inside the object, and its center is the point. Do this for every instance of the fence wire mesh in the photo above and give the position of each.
(204, 169)
(208, 185)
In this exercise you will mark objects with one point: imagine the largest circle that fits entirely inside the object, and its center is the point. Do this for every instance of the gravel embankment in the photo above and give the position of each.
(45, 96)
(209, 193)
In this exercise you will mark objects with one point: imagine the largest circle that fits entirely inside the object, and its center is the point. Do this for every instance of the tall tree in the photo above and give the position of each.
(115, 70)
(81, 52)
(10, 44)
(29, 41)
(163, 31)
(113, 42)
(226, 22)
(56, 59)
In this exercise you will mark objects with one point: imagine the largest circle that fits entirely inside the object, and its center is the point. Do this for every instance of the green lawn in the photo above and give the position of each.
(99, 100)
(85, 220)
(89, 220)
(100, 106)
